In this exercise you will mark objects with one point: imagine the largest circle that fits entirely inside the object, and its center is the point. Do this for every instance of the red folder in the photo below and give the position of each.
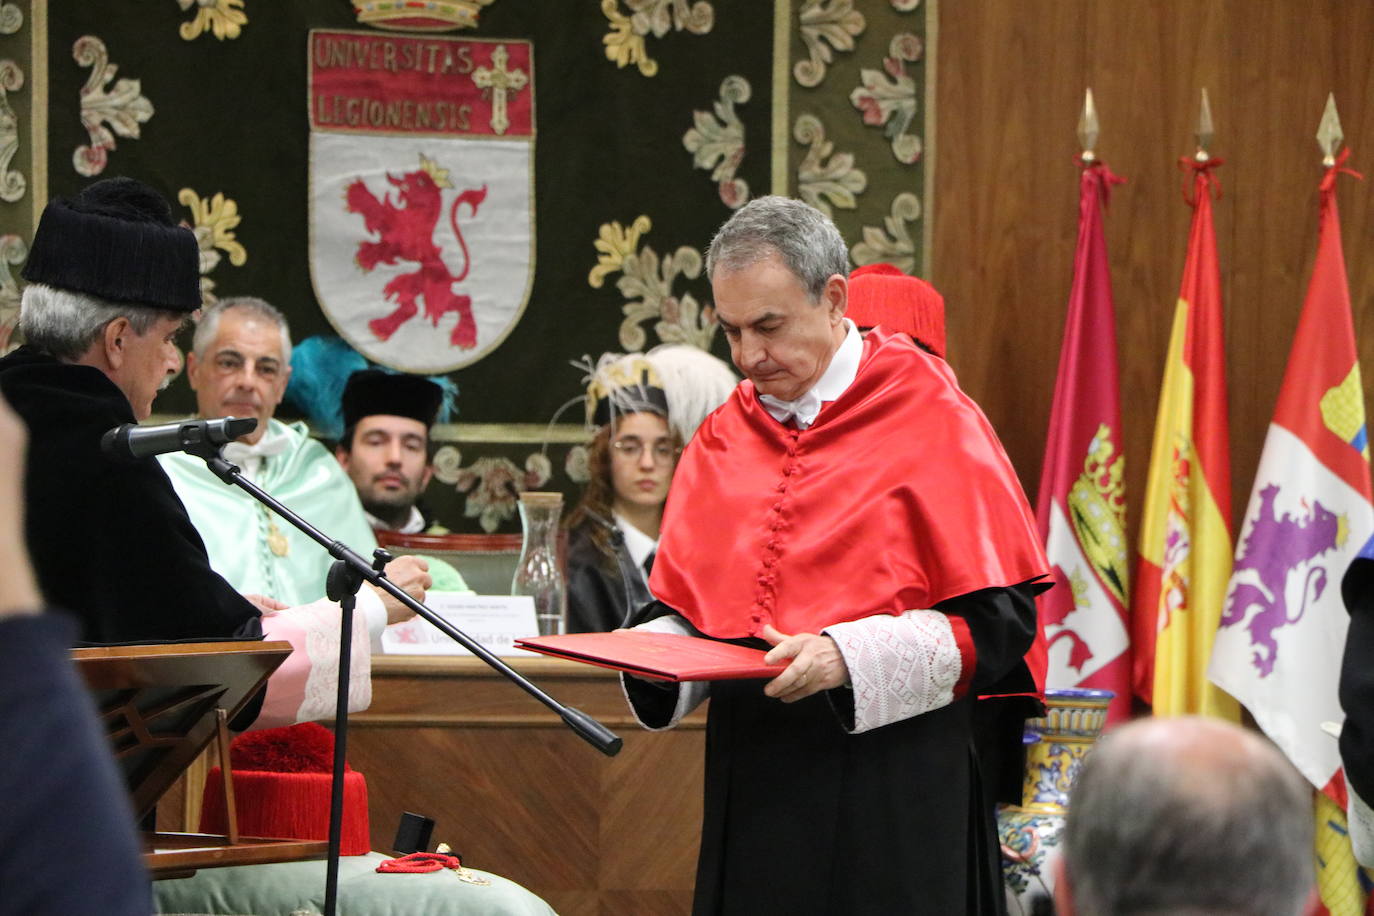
(666, 656)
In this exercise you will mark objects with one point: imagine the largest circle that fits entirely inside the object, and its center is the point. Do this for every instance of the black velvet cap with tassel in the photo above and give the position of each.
(370, 392)
(117, 241)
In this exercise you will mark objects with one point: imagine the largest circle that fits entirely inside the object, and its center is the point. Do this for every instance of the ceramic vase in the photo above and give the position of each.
(1030, 832)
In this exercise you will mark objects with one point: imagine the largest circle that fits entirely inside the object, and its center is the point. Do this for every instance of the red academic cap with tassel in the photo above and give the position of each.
(881, 294)
(281, 789)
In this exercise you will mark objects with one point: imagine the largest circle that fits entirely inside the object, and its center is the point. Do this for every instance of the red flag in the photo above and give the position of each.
(1081, 506)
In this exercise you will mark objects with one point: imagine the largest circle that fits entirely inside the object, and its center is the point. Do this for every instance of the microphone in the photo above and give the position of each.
(133, 441)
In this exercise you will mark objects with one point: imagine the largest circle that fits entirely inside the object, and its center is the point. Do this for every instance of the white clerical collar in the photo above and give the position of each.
(249, 457)
(638, 544)
(838, 376)
(414, 525)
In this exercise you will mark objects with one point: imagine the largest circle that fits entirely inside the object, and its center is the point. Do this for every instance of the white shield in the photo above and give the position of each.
(421, 195)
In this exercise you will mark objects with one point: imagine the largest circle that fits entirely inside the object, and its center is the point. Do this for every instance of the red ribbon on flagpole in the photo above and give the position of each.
(1202, 172)
(1336, 168)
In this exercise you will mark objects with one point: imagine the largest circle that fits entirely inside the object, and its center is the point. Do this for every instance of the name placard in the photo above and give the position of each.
(494, 621)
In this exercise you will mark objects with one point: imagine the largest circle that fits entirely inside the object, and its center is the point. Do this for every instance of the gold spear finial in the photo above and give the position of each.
(1088, 127)
(1329, 134)
(1204, 129)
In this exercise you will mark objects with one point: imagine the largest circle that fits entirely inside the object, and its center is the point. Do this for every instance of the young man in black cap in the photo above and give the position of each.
(111, 279)
(385, 445)
(385, 450)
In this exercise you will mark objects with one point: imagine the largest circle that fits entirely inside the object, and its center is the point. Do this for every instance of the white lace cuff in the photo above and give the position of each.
(1361, 823)
(305, 687)
(649, 701)
(904, 665)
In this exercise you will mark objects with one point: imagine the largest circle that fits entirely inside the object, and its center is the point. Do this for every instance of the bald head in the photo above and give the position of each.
(1188, 815)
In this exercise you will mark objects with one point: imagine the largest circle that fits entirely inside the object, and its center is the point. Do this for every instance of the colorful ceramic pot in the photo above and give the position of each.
(1057, 747)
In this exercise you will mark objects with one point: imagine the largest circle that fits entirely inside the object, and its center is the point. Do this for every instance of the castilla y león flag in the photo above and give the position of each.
(421, 193)
(1081, 506)
(1185, 526)
(1279, 646)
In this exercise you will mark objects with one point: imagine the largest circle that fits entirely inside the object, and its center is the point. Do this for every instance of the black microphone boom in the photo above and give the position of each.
(133, 441)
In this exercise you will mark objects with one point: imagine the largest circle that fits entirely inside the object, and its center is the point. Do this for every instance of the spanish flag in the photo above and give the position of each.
(1185, 532)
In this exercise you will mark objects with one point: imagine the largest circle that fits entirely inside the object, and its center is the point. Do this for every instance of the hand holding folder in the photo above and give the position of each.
(663, 656)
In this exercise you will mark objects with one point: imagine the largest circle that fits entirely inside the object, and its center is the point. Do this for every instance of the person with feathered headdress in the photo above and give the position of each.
(644, 408)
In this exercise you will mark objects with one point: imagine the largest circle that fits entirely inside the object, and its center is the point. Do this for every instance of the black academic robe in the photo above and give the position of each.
(801, 817)
(598, 597)
(1357, 679)
(110, 540)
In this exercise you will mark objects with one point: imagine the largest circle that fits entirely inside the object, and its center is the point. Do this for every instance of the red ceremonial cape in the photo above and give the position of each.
(897, 497)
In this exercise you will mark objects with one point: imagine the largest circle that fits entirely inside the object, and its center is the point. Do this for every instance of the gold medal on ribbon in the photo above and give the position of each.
(276, 541)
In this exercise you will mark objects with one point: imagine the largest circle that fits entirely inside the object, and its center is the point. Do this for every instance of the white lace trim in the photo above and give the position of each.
(689, 693)
(321, 622)
(1361, 823)
(899, 666)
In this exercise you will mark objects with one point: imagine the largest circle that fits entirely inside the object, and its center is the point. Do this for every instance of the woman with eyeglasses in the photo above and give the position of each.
(644, 407)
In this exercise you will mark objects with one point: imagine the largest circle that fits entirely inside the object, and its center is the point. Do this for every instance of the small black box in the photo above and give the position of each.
(413, 833)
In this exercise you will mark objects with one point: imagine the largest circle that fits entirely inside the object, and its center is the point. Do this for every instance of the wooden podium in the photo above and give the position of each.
(161, 705)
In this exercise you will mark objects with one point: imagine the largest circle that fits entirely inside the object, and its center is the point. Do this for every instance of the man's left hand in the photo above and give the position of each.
(816, 664)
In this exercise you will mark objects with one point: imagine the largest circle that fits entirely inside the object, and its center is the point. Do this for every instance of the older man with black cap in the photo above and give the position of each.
(112, 278)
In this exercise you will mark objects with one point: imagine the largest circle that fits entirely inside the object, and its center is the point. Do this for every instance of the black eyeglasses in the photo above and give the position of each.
(632, 447)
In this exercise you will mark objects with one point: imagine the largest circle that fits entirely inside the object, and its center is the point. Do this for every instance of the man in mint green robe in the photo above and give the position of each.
(239, 366)
(258, 552)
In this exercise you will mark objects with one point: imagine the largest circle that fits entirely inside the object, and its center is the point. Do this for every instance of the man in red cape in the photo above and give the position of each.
(852, 508)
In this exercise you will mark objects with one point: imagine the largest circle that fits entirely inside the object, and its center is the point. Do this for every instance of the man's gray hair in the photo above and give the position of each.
(208, 326)
(803, 238)
(1188, 815)
(64, 323)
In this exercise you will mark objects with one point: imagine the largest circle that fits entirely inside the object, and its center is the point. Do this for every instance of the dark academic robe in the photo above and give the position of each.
(598, 597)
(110, 540)
(898, 497)
(1357, 676)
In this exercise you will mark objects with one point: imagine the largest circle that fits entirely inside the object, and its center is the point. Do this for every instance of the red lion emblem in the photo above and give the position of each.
(405, 232)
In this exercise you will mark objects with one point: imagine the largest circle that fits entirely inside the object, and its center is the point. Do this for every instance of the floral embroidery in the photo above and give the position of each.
(625, 42)
(11, 18)
(905, 6)
(576, 465)
(821, 183)
(12, 184)
(889, 98)
(222, 17)
(719, 144)
(647, 284)
(823, 26)
(124, 107)
(491, 484)
(13, 251)
(894, 246)
(213, 220)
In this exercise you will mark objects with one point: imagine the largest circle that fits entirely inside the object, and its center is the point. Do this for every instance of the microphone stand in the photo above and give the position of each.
(348, 573)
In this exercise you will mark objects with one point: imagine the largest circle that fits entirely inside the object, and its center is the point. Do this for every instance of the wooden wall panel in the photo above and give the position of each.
(1009, 89)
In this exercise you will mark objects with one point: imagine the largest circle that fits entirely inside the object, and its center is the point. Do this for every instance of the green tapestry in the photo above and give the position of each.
(568, 161)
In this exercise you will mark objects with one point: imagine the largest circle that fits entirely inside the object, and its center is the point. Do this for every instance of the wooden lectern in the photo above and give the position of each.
(161, 705)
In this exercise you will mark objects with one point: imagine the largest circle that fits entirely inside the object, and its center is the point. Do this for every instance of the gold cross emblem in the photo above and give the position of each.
(500, 81)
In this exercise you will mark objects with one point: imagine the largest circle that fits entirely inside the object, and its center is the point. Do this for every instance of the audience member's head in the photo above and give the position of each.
(111, 278)
(385, 447)
(881, 294)
(240, 361)
(1186, 816)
